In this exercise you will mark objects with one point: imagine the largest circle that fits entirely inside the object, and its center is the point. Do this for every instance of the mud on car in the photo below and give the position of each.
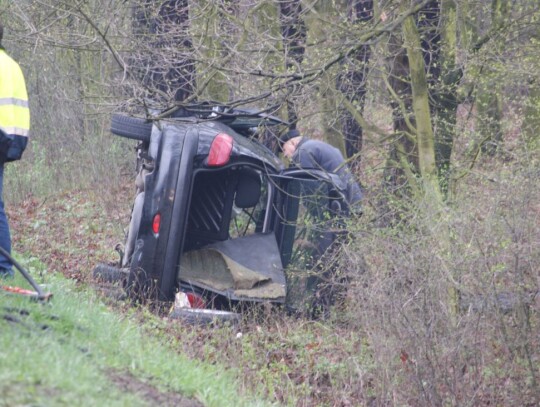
(214, 217)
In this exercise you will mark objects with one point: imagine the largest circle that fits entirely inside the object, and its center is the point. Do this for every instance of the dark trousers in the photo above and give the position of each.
(5, 236)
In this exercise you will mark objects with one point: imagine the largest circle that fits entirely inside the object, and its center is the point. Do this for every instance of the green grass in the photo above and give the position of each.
(68, 352)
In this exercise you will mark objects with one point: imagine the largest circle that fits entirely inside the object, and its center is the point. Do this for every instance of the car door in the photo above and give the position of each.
(308, 199)
(309, 208)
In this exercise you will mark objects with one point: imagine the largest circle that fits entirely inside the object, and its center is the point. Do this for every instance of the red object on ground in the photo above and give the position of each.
(18, 290)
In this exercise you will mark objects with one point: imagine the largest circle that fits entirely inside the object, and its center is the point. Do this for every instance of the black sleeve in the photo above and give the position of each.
(16, 148)
(6, 140)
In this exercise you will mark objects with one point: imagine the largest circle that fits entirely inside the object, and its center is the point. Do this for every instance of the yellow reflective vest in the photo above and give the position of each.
(14, 110)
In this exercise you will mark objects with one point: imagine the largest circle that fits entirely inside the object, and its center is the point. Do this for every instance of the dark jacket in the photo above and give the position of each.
(319, 155)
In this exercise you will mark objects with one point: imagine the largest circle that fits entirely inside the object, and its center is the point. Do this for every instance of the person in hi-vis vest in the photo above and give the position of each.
(14, 129)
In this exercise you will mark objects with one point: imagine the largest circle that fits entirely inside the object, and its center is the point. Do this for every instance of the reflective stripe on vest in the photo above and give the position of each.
(14, 111)
(13, 101)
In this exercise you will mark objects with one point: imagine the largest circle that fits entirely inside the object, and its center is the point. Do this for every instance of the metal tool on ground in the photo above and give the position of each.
(38, 294)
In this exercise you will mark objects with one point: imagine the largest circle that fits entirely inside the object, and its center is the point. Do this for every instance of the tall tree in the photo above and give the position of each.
(163, 62)
(444, 93)
(435, 28)
(293, 29)
(425, 140)
(489, 90)
(352, 80)
(402, 157)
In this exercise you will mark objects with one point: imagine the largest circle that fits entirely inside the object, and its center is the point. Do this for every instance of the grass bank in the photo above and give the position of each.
(75, 351)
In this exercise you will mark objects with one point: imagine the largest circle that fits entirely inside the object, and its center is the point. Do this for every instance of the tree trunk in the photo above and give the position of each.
(217, 35)
(531, 121)
(352, 82)
(435, 45)
(403, 157)
(413, 78)
(444, 90)
(420, 102)
(489, 95)
(164, 64)
(293, 30)
(436, 24)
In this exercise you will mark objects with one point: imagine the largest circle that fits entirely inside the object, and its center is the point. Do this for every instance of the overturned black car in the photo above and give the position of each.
(215, 211)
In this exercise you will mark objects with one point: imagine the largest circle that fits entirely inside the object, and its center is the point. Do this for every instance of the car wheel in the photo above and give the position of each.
(109, 274)
(131, 127)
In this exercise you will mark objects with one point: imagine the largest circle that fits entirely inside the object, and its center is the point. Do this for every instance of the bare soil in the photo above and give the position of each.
(130, 384)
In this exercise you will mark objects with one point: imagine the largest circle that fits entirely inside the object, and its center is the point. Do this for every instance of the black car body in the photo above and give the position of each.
(215, 209)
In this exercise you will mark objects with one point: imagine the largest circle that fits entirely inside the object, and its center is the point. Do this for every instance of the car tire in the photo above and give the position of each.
(109, 274)
(130, 127)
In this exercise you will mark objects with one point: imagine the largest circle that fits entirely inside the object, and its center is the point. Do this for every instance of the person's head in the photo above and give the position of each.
(289, 142)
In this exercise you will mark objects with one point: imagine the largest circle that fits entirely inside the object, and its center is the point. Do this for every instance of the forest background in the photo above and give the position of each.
(436, 105)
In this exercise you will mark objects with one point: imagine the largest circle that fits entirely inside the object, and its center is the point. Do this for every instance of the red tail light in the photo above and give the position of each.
(196, 301)
(220, 150)
(156, 223)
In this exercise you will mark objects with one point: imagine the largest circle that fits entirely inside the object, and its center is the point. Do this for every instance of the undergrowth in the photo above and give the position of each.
(484, 248)
(397, 340)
